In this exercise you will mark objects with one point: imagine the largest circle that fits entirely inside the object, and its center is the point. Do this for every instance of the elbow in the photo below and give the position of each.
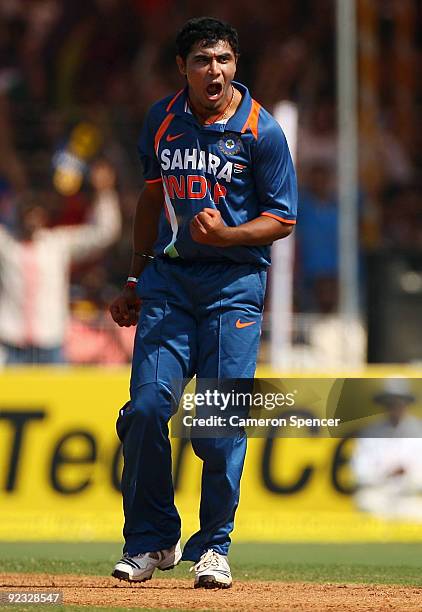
(276, 227)
(284, 230)
(114, 230)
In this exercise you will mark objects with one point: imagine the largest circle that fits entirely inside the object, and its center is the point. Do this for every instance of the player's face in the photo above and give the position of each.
(209, 72)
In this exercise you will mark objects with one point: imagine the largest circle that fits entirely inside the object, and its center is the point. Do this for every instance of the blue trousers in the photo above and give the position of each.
(196, 318)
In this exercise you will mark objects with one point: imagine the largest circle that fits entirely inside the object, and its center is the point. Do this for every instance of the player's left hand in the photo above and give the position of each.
(207, 227)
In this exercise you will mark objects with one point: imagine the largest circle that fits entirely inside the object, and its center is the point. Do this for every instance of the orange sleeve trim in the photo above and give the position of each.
(173, 100)
(268, 214)
(252, 120)
(161, 130)
(158, 180)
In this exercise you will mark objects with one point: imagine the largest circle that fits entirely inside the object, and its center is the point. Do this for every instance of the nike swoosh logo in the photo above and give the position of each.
(240, 324)
(170, 138)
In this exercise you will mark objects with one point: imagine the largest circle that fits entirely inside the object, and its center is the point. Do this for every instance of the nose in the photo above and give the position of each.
(214, 67)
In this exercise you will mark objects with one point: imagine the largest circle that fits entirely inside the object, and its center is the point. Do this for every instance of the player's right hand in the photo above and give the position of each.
(125, 308)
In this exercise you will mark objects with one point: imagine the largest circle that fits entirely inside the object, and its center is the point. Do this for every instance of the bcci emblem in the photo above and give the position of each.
(230, 144)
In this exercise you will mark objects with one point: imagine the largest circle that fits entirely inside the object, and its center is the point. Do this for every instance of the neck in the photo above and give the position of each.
(26, 235)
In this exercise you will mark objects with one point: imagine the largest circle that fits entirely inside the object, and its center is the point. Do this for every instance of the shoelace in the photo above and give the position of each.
(209, 559)
(153, 555)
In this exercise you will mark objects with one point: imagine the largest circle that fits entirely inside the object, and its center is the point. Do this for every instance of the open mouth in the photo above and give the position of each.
(214, 90)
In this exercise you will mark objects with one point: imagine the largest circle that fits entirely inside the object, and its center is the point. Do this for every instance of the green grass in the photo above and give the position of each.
(366, 563)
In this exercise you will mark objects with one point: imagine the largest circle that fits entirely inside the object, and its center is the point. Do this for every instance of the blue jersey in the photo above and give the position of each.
(242, 167)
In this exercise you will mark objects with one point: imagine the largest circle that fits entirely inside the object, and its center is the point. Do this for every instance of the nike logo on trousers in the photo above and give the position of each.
(240, 324)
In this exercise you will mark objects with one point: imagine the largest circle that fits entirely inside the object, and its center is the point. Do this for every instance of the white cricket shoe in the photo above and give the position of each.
(212, 571)
(141, 567)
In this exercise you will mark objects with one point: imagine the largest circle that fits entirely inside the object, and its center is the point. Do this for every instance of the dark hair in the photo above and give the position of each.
(209, 31)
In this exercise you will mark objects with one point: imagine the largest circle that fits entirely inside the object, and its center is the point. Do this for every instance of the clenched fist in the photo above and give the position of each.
(207, 227)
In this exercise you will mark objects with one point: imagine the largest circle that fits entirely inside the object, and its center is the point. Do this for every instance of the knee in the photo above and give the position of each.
(205, 448)
(210, 453)
(152, 399)
(218, 453)
(150, 405)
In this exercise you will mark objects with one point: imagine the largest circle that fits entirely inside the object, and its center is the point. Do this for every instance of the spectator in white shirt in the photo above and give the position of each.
(35, 269)
(387, 461)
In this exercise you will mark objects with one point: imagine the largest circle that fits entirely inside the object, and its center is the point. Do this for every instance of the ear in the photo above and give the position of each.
(181, 64)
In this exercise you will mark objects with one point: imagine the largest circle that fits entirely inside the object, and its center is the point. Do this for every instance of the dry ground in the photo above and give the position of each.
(93, 591)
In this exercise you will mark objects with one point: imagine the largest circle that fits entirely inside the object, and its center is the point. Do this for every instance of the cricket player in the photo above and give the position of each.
(220, 189)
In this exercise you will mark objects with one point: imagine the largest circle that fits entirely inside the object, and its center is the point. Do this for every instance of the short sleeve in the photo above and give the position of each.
(149, 161)
(275, 175)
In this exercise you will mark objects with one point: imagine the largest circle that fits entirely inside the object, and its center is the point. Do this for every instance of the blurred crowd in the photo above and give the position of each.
(76, 79)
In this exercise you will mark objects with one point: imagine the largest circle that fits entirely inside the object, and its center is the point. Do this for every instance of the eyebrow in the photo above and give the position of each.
(224, 55)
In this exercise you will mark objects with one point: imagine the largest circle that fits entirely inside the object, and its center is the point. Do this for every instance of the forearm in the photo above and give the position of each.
(258, 232)
(100, 232)
(145, 228)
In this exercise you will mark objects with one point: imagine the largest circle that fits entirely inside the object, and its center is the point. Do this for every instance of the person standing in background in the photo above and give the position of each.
(35, 270)
(387, 460)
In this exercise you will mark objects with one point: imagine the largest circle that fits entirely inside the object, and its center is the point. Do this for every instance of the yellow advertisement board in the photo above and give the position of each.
(60, 465)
